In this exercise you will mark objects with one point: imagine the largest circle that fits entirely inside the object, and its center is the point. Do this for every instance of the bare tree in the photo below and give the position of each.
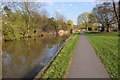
(119, 16)
(105, 15)
(44, 13)
(60, 20)
(26, 9)
(116, 7)
(59, 16)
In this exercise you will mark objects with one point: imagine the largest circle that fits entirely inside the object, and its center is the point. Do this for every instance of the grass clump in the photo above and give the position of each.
(59, 66)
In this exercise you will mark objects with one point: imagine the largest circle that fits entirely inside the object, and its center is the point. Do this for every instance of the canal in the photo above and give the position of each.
(25, 58)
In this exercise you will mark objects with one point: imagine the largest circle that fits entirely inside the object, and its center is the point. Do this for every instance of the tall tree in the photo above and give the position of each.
(61, 20)
(92, 21)
(70, 23)
(83, 19)
(26, 8)
(105, 15)
(54, 24)
(119, 15)
(44, 13)
(116, 7)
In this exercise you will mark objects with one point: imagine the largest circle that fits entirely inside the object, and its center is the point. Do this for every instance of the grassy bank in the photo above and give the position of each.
(59, 66)
(106, 47)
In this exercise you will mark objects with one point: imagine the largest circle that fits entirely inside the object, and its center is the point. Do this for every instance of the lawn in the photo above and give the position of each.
(106, 47)
(59, 67)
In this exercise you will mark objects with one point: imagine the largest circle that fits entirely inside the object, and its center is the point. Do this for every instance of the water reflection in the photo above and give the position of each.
(24, 58)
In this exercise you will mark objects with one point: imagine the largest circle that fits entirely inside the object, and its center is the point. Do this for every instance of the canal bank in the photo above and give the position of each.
(42, 71)
(60, 65)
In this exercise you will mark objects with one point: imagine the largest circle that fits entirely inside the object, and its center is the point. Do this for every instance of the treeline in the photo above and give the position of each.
(28, 19)
(105, 15)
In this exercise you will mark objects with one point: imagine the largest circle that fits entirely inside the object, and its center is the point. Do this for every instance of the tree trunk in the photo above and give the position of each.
(119, 26)
(28, 23)
(86, 26)
(108, 28)
(56, 33)
(114, 7)
(103, 28)
(119, 17)
(56, 30)
(71, 31)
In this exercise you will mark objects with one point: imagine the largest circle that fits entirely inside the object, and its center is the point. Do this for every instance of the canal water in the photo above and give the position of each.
(25, 58)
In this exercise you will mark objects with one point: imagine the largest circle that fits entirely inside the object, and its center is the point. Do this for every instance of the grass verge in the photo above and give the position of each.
(106, 47)
(59, 67)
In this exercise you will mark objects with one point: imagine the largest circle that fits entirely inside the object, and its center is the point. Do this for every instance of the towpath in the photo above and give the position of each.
(85, 63)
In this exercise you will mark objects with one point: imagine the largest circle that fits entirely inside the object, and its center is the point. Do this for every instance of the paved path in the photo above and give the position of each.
(85, 63)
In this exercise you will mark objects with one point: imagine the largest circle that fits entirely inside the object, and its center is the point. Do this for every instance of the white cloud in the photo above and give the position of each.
(59, 10)
(63, 7)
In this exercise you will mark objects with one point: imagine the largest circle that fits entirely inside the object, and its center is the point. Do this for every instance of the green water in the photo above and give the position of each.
(25, 58)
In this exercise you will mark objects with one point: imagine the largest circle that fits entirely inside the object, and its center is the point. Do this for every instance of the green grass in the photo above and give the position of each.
(106, 47)
(102, 33)
(59, 67)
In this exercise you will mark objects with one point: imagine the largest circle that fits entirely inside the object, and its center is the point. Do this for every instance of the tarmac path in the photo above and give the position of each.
(85, 63)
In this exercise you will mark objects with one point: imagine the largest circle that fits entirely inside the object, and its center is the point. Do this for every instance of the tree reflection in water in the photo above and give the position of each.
(25, 58)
